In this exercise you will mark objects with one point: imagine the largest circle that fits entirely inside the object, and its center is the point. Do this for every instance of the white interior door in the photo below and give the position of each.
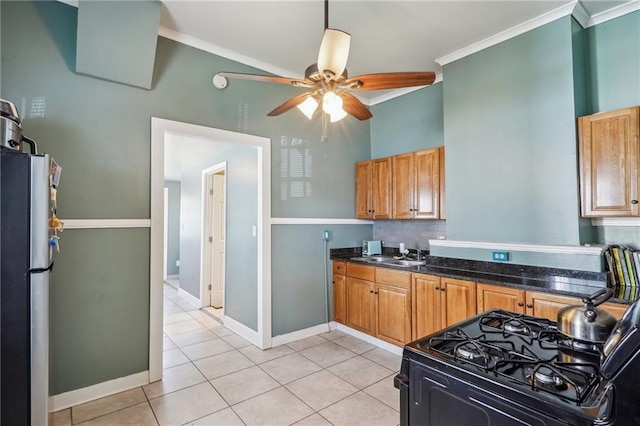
(166, 232)
(218, 236)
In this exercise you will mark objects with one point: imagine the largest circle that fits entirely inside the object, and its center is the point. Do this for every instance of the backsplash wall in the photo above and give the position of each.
(413, 233)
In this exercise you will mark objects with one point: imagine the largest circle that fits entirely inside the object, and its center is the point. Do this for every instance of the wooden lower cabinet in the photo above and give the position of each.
(393, 319)
(459, 300)
(440, 302)
(499, 297)
(360, 305)
(340, 298)
(546, 305)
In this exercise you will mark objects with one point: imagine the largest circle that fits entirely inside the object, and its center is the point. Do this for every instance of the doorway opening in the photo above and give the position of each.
(243, 315)
(214, 238)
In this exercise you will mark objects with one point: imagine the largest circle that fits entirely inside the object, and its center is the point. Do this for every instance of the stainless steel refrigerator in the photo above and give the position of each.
(25, 266)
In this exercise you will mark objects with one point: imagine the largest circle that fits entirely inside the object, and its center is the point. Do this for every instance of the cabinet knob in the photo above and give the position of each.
(442, 289)
(529, 305)
(520, 304)
(370, 291)
(333, 282)
(375, 292)
(634, 201)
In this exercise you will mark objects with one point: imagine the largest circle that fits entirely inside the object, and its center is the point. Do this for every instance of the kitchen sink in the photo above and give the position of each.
(390, 261)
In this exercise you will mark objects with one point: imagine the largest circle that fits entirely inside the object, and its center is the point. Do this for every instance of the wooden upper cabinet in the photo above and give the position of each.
(498, 297)
(381, 188)
(403, 186)
(427, 184)
(459, 300)
(373, 189)
(364, 201)
(417, 183)
(609, 153)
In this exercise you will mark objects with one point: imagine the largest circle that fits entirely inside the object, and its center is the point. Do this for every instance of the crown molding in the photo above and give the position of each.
(581, 15)
(614, 12)
(225, 53)
(508, 34)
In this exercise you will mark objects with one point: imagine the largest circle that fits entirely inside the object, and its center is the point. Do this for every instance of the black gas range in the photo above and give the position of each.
(502, 368)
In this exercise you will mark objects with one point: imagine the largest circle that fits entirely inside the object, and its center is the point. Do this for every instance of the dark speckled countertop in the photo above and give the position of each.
(550, 280)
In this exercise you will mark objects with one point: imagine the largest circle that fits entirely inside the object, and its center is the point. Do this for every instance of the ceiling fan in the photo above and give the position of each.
(329, 84)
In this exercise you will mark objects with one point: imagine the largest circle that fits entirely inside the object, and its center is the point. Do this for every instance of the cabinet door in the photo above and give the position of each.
(393, 314)
(615, 309)
(493, 296)
(339, 298)
(360, 305)
(403, 186)
(609, 163)
(364, 208)
(458, 300)
(427, 184)
(426, 315)
(381, 192)
(545, 305)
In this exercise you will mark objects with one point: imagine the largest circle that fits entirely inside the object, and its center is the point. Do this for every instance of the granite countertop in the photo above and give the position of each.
(550, 280)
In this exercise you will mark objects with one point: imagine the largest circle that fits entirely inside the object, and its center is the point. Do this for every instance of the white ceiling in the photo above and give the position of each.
(182, 151)
(283, 37)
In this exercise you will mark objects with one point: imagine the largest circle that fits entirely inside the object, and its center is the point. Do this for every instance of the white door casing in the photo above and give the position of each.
(261, 337)
(218, 240)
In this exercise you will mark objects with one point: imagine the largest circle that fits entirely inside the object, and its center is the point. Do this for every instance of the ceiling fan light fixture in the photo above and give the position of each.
(334, 51)
(331, 103)
(308, 107)
(337, 116)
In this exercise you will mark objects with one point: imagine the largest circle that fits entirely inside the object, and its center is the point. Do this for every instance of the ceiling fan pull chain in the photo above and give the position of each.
(324, 138)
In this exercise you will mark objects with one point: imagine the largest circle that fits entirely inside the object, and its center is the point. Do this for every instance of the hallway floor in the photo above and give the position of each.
(214, 377)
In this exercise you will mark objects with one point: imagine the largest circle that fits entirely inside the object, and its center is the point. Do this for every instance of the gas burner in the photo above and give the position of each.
(517, 327)
(545, 377)
(470, 351)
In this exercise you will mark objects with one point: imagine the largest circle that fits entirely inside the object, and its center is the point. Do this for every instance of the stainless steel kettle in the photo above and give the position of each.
(586, 322)
(11, 129)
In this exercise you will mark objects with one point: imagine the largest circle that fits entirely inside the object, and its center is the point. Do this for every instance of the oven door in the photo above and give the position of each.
(437, 399)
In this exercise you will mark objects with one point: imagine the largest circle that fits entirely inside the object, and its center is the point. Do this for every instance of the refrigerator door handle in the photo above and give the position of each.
(42, 270)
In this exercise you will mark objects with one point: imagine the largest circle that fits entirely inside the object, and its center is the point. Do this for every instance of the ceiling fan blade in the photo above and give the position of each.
(293, 102)
(391, 80)
(334, 51)
(268, 78)
(353, 106)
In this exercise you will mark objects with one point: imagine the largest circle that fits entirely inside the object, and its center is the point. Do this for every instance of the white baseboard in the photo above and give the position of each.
(100, 390)
(243, 331)
(299, 334)
(189, 298)
(369, 339)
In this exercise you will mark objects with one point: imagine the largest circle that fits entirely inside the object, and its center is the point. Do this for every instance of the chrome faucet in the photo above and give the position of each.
(418, 253)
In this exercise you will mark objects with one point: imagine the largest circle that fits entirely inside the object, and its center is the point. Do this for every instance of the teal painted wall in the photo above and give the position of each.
(298, 280)
(117, 42)
(241, 281)
(411, 122)
(173, 225)
(100, 133)
(614, 63)
(510, 140)
(99, 307)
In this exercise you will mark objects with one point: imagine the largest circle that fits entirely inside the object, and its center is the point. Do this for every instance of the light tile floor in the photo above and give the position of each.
(215, 377)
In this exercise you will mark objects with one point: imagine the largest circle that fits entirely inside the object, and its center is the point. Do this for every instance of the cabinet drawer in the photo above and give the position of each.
(363, 272)
(393, 277)
(339, 268)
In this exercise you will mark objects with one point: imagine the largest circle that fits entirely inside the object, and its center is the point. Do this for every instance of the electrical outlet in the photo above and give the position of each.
(325, 236)
(500, 256)
(177, 263)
